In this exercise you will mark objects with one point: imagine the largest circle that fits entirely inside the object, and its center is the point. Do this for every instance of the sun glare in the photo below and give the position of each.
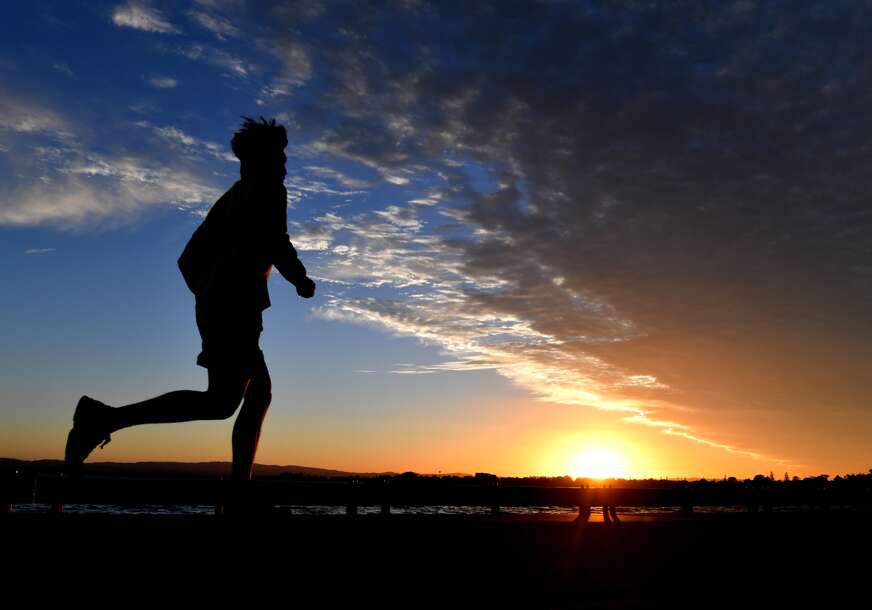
(598, 463)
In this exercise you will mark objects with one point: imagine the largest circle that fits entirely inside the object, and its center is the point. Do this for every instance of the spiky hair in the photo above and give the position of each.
(255, 139)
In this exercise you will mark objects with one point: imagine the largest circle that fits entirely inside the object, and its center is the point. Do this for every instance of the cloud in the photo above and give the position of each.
(24, 116)
(57, 180)
(64, 68)
(162, 82)
(216, 24)
(309, 236)
(294, 71)
(86, 189)
(144, 107)
(222, 5)
(217, 57)
(648, 207)
(39, 250)
(141, 16)
(344, 180)
(300, 185)
(333, 145)
(192, 146)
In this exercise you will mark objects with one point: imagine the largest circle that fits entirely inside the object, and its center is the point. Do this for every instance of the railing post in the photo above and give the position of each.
(494, 500)
(495, 504)
(351, 507)
(583, 504)
(386, 497)
(610, 512)
(686, 501)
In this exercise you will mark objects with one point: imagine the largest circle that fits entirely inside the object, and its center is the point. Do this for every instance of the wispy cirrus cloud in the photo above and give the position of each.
(25, 116)
(84, 189)
(193, 146)
(234, 64)
(343, 179)
(332, 145)
(57, 180)
(142, 16)
(64, 68)
(162, 82)
(218, 25)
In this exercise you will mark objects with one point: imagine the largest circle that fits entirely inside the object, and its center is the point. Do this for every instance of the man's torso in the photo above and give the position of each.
(236, 229)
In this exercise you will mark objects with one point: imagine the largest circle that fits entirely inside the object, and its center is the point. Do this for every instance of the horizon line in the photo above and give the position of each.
(722, 476)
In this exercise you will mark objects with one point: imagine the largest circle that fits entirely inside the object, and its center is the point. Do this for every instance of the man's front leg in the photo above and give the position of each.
(247, 428)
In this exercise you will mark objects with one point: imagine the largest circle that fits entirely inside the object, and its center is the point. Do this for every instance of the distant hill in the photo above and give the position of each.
(176, 469)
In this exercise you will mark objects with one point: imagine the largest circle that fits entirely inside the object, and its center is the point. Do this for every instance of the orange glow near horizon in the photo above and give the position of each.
(509, 438)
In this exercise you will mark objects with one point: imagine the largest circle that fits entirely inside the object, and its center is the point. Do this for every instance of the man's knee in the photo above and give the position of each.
(223, 405)
(260, 390)
(225, 394)
(260, 393)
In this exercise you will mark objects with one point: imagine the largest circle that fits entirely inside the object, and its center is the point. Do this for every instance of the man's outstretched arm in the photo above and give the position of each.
(292, 269)
(282, 252)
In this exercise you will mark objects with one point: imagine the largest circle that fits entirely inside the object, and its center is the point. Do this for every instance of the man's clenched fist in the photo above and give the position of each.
(306, 288)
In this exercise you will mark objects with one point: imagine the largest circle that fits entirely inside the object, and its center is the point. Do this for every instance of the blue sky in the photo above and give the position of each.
(532, 224)
(120, 107)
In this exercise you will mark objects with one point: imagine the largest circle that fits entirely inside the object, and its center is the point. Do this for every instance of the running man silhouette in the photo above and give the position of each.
(226, 265)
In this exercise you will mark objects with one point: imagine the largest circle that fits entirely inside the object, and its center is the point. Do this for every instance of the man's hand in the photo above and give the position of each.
(306, 288)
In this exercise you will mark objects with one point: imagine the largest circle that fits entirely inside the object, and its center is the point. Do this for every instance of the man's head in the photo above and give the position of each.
(259, 146)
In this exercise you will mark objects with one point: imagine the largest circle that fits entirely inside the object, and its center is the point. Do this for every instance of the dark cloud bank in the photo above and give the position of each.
(680, 211)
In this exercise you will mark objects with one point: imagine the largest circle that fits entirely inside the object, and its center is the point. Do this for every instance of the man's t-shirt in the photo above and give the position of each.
(228, 260)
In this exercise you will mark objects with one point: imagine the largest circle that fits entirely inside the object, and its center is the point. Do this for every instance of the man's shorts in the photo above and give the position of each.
(230, 339)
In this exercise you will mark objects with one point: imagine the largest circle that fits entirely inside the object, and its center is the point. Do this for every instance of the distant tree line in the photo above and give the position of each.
(819, 482)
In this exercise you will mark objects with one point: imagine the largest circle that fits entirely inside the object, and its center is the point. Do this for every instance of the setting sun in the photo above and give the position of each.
(598, 463)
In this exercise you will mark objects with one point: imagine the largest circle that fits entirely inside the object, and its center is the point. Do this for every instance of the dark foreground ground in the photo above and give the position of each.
(729, 560)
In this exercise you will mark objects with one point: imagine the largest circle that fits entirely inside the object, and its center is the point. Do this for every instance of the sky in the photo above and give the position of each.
(547, 236)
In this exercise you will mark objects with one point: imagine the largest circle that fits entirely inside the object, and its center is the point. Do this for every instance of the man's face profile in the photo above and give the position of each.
(269, 166)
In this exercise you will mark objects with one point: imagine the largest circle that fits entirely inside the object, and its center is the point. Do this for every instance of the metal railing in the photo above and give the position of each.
(384, 493)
